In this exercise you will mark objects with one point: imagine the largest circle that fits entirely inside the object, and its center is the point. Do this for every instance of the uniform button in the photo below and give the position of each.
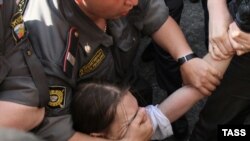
(87, 48)
(134, 39)
(29, 53)
(76, 34)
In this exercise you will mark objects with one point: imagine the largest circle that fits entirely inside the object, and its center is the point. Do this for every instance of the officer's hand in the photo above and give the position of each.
(200, 74)
(219, 45)
(240, 40)
(140, 128)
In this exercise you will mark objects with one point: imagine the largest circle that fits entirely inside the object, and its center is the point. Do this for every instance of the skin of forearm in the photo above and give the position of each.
(20, 116)
(180, 102)
(184, 98)
(216, 5)
(218, 10)
(220, 65)
(166, 37)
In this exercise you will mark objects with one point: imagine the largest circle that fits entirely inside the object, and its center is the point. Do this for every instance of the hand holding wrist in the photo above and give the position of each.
(186, 58)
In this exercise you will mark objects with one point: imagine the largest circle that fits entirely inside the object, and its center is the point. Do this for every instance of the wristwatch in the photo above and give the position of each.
(186, 58)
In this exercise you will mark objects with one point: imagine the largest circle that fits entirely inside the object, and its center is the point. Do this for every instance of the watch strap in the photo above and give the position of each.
(186, 58)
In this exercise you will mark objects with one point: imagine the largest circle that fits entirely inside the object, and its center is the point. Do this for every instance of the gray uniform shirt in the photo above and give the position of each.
(109, 56)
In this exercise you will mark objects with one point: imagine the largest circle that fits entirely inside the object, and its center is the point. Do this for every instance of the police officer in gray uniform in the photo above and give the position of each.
(55, 44)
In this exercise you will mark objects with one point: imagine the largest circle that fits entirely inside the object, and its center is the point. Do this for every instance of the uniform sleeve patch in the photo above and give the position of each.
(57, 96)
(18, 28)
(17, 23)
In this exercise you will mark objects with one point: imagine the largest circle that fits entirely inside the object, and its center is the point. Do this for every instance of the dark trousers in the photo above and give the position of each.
(229, 104)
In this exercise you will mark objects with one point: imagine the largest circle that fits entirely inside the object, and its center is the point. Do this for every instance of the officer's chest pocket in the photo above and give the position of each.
(128, 41)
(126, 47)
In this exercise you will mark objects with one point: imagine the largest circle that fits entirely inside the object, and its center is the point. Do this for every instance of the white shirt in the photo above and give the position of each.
(161, 125)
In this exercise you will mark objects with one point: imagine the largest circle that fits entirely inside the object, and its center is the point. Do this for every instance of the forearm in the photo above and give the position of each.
(215, 7)
(20, 116)
(218, 11)
(180, 102)
(220, 65)
(171, 39)
(184, 98)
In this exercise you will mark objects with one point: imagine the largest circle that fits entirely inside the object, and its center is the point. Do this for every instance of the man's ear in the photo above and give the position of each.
(97, 134)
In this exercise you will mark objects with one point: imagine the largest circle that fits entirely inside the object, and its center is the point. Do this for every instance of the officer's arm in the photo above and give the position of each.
(184, 98)
(19, 116)
(195, 72)
(171, 38)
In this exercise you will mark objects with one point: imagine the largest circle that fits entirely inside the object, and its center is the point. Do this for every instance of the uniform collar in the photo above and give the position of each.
(89, 32)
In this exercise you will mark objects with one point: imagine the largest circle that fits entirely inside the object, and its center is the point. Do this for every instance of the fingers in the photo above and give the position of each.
(215, 73)
(207, 89)
(204, 91)
(143, 123)
(220, 49)
(236, 33)
(210, 81)
(140, 117)
(212, 52)
(229, 47)
(239, 39)
(201, 75)
(236, 45)
(143, 119)
(223, 46)
(217, 54)
(140, 128)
